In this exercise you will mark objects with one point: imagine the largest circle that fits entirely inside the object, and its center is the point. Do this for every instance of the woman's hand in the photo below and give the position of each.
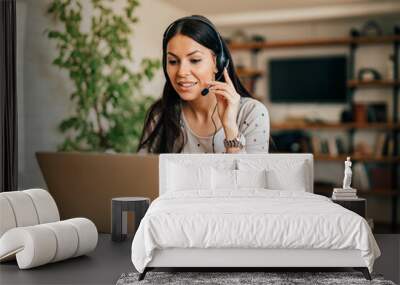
(228, 101)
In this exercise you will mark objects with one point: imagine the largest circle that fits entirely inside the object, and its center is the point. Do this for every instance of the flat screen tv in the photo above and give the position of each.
(308, 79)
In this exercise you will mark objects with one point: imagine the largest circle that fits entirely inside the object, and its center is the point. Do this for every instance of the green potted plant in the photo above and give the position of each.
(109, 106)
(108, 100)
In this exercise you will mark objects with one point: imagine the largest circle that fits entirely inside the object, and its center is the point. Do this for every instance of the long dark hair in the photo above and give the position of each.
(162, 132)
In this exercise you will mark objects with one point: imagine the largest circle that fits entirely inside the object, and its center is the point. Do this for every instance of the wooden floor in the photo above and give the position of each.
(110, 260)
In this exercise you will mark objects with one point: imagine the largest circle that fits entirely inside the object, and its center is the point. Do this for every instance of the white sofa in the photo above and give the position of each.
(31, 230)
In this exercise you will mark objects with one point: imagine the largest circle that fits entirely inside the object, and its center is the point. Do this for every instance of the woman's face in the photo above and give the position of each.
(189, 66)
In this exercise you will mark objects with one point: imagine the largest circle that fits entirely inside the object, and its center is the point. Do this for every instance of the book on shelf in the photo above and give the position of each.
(324, 146)
(341, 197)
(384, 145)
(344, 194)
(361, 177)
(388, 147)
(332, 147)
(344, 191)
(380, 176)
(340, 146)
(316, 144)
(380, 142)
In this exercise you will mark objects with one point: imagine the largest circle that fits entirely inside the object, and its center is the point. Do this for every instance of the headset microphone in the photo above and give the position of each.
(206, 90)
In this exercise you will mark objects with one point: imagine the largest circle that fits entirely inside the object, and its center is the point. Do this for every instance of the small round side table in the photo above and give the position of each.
(119, 208)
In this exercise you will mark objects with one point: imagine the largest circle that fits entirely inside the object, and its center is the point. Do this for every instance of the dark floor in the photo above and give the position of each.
(103, 266)
(110, 260)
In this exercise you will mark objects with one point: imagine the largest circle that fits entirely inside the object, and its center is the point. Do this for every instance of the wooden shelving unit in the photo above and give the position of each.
(342, 41)
(247, 72)
(373, 83)
(333, 126)
(392, 127)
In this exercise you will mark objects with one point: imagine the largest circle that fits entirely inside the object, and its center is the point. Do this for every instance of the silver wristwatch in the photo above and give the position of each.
(239, 142)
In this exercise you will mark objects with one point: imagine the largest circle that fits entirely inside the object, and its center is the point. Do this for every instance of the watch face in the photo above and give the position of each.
(242, 140)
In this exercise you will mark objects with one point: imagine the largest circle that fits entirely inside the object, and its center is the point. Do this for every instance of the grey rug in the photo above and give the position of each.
(229, 278)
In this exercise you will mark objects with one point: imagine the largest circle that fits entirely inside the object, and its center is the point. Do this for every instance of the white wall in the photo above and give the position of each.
(43, 90)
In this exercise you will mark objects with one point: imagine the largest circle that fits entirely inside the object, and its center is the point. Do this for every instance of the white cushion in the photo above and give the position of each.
(227, 179)
(87, 233)
(224, 179)
(23, 208)
(7, 218)
(277, 180)
(67, 239)
(280, 174)
(45, 205)
(183, 177)
(41, 244)
(251, 178)
(33, 245)
(228, 161)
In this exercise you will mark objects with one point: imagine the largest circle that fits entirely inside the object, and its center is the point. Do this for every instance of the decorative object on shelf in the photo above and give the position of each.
(239, 36)
(346, 192)
(258, 38)
(346, 116)
(369, 74)
(390, 67)
(354, 32)
(347, 174)
(370, 29)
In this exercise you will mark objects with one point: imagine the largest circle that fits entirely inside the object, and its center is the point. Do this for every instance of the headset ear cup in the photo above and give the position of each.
(222, 62)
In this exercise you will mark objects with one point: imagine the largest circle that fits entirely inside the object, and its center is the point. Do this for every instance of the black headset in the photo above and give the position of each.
(222, 61)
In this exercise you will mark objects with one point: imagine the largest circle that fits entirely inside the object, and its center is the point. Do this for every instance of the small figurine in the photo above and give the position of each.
(347, 174)
(347, 192)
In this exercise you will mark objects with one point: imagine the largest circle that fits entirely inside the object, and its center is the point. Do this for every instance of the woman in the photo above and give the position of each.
(185, 120)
